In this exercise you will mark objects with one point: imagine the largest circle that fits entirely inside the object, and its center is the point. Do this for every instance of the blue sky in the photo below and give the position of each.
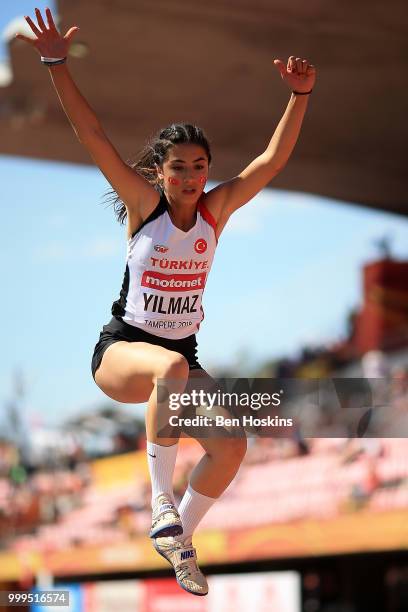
(286, 272)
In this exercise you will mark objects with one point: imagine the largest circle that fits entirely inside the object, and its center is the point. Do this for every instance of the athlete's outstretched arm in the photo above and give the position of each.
(132, 188)
(300, 76)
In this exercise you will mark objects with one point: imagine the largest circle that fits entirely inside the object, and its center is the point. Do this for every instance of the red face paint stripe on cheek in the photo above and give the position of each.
(203, 180)
(173, 181)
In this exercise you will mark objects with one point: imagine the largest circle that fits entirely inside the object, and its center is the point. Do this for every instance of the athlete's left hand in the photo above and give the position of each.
(298, 74)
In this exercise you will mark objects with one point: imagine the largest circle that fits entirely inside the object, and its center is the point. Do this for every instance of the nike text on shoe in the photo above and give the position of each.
(165, 519)
(183, 558)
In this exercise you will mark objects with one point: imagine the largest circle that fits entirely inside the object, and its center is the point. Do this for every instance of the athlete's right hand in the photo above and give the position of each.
(48, 42)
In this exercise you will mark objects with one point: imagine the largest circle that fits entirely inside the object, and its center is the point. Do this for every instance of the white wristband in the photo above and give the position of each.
(51, 59)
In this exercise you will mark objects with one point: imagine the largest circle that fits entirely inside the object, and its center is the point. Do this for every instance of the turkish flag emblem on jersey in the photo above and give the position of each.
(200, 245)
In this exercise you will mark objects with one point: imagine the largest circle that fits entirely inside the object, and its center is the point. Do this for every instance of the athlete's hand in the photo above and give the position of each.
(298, 74)
(48, 41)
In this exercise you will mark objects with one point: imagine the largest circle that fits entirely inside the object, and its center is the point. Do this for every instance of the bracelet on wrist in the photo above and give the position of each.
(53, 61)
(302, 93)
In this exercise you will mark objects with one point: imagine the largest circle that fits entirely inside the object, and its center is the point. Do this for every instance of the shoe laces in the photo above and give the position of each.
(161, 500)
(163, 506)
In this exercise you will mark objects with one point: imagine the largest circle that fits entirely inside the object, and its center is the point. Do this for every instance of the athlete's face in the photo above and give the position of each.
(184, 172)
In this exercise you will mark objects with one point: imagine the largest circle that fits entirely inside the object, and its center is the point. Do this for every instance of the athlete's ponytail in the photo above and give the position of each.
(154, 154)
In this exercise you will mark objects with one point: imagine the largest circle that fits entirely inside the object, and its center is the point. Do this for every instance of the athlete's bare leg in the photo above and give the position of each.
(223, 456)
(129, 373)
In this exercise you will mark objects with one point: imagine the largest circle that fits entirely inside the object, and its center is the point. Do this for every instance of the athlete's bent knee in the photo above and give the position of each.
(173, 366)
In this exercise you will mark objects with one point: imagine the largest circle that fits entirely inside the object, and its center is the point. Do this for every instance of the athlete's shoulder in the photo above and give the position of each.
(206, 213)
(154, 213)
(213, 202)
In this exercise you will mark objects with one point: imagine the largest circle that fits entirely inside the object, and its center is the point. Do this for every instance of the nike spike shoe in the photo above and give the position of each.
(183, 558)
(165, 519)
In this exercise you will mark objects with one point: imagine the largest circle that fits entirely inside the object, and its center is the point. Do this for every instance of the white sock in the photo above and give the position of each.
(192, 509)
(161, 460)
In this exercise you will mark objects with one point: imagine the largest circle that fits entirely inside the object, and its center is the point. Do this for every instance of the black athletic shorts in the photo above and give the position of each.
(117, 330)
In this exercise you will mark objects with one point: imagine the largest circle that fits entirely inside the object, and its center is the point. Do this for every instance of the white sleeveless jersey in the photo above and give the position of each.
(165, 275)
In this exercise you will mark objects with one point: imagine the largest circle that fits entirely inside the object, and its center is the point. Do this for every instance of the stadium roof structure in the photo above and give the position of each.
(144, 65)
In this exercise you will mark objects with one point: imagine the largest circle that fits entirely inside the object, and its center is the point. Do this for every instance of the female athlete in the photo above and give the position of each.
(172, 231)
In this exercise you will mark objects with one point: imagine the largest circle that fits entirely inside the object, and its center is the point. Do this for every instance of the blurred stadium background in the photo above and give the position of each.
(308, 525)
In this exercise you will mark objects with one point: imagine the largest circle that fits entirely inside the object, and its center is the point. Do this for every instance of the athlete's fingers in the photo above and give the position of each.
(304, 66)
(40, 20)
(71, 32)
(299, 65)
(50, 20)
(291, 63)
(280, 66)
(310, 69)
(25, 38)
(32, 25)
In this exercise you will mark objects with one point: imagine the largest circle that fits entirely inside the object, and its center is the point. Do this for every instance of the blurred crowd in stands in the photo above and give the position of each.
(32, 497)
(29, 502)
(44, 492)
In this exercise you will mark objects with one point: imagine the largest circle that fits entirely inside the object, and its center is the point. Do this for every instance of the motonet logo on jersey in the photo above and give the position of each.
(173, 282)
